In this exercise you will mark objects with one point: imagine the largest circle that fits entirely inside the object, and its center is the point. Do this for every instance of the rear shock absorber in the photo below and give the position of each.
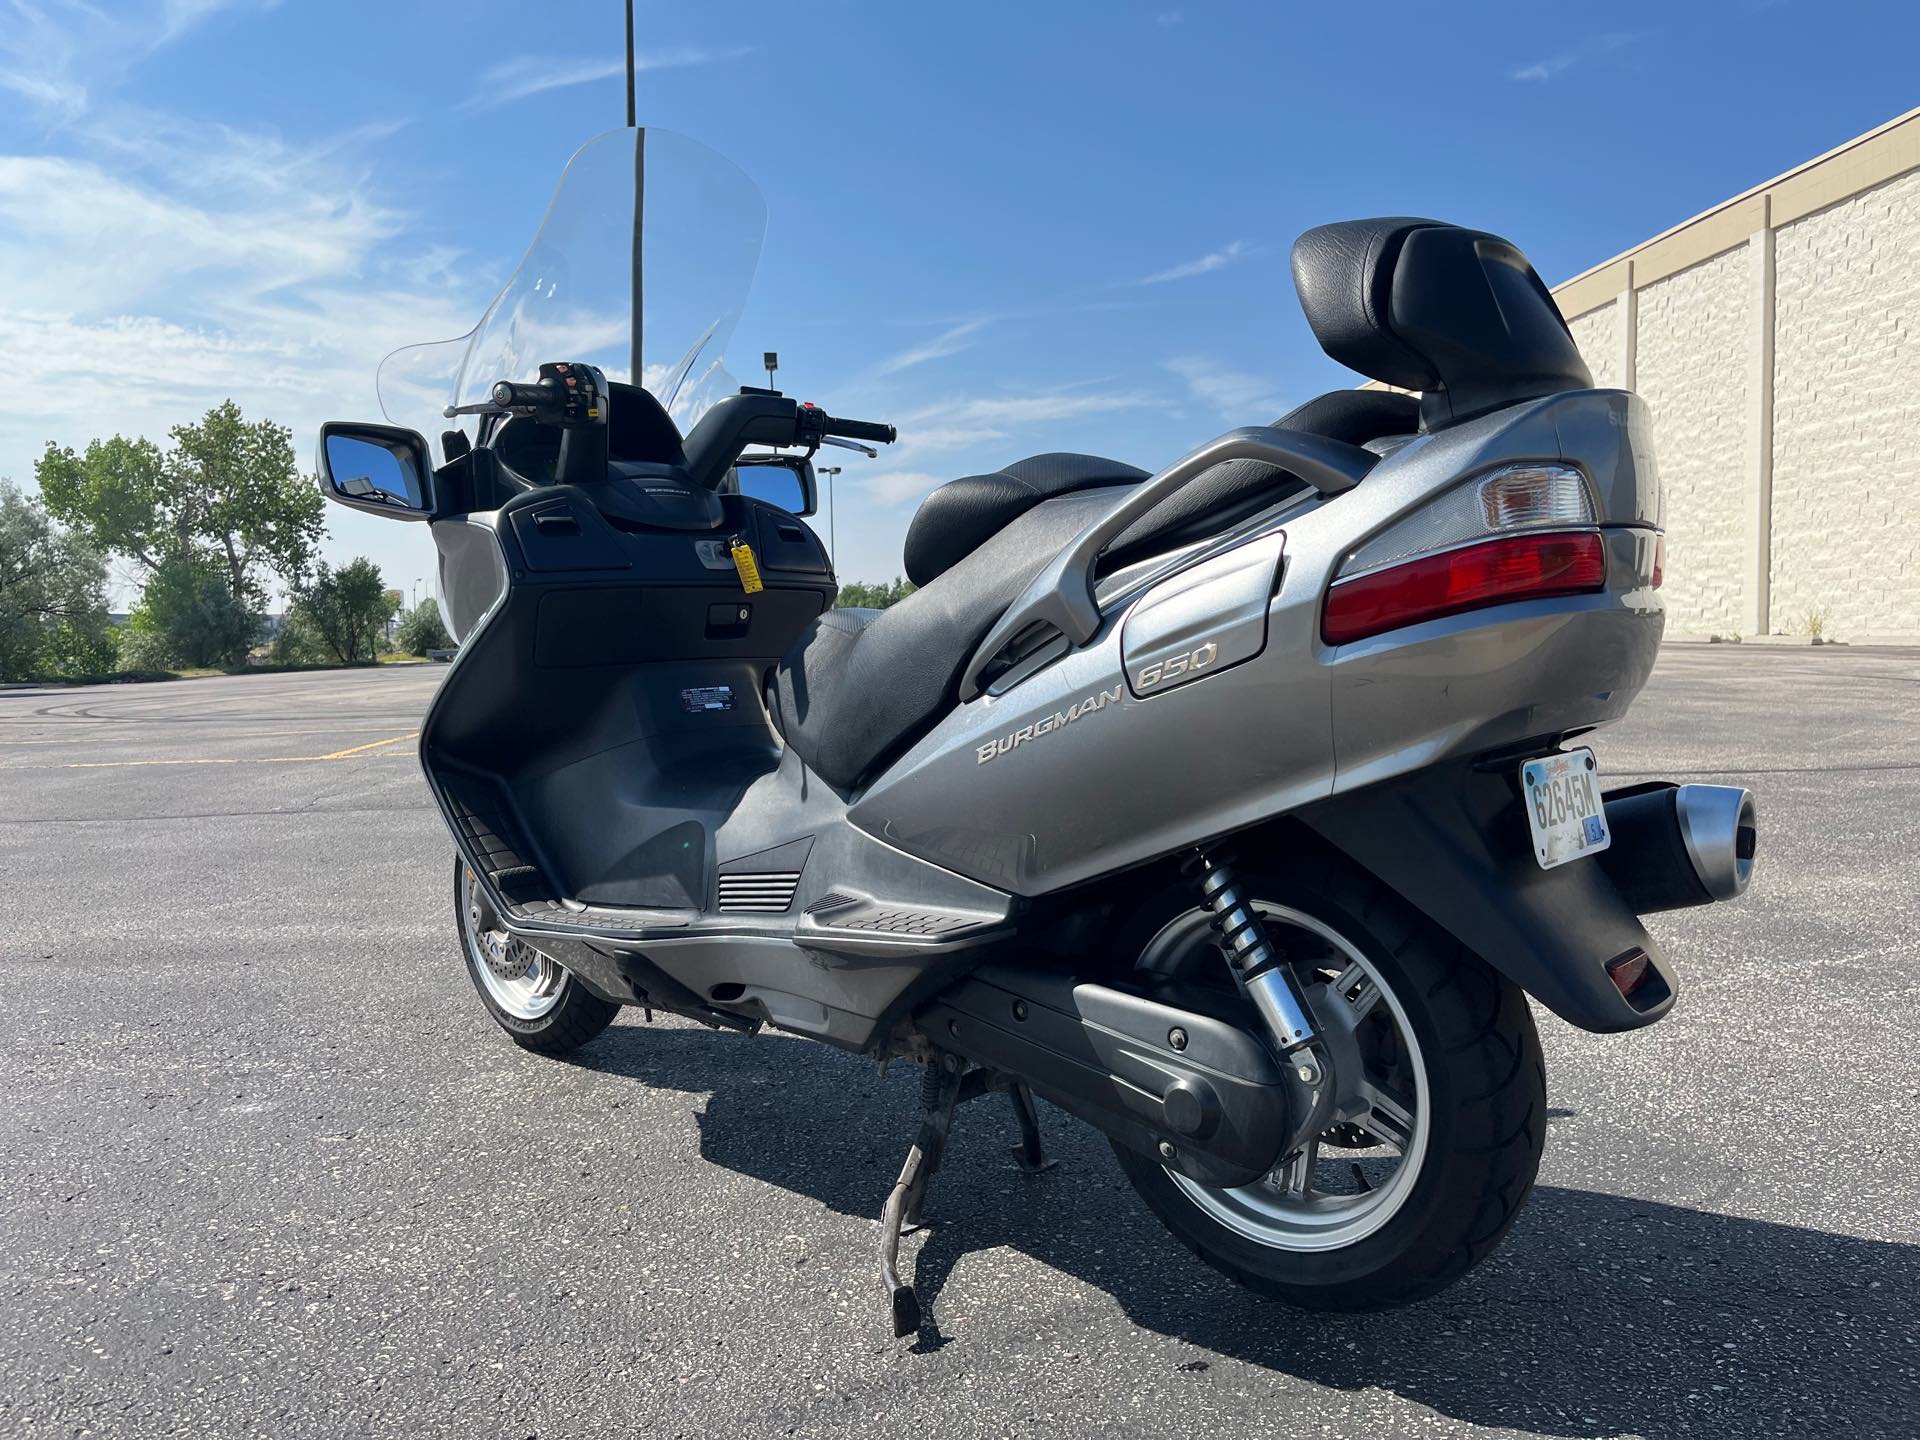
(1257, 964)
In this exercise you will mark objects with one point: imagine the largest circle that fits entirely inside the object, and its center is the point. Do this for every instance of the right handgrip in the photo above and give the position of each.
(1061, 597)
(862, 430)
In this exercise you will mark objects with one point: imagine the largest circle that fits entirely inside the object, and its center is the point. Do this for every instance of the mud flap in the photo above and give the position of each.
(1452, 840)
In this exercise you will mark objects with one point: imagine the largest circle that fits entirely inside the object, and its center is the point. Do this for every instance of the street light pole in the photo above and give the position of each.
(630, 110)
(833, 512)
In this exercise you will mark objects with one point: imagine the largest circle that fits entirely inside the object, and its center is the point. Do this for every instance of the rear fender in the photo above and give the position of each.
(1452, 839)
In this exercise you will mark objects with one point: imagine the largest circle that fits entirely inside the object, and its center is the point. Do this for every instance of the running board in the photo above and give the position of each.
(839, 921)
(860, 926)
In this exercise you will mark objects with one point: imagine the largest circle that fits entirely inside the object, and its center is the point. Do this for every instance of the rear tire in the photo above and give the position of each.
(538, 1002)
(1478, 1144)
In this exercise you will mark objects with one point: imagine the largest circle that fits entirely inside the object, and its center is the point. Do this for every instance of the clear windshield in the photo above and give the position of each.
(641, 267)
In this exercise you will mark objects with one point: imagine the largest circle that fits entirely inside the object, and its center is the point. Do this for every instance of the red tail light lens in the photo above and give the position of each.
(1494, 572)
(1659, 561)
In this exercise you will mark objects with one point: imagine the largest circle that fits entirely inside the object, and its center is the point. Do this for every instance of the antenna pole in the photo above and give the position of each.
(630, 109)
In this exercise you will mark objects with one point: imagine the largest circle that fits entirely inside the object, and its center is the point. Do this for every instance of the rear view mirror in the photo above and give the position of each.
(382, 469)
(783, 480)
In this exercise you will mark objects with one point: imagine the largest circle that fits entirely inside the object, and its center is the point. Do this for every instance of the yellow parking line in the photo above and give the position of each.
(371, 745)
(235, 759)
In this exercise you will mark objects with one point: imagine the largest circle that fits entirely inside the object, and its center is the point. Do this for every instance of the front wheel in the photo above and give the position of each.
(1441, 1109)
(530, 995)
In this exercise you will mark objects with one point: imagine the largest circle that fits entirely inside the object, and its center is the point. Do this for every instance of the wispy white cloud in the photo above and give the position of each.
(159, 265)
(160, 276)
(1594, 47)
(1167, 19)
(179, 16)
(950, 341)
(60, 55)
(897, 487)
(1205, 265)
(981, 431)
(1015, 410)
(1233, 394)
(526, 75)
(921, 440)
(58, 253)
(37, 60)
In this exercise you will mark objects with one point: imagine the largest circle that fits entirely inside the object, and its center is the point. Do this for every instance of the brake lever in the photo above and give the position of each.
(866, 450)
(485, 407)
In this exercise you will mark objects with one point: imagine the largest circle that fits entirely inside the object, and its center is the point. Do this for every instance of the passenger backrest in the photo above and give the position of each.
(1458, 315)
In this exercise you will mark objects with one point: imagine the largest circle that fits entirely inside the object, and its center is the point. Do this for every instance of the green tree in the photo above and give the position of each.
(79, 647)
(295, 643)
(53, 605)
(345, 608)
(862, 595)
(421, 630)
(226, 492)
(188, 618)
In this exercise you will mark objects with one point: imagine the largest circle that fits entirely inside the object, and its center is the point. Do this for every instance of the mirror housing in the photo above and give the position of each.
(799, 466)
(381, 469)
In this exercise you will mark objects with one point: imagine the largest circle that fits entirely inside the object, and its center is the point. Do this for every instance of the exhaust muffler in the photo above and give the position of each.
(1679, 845)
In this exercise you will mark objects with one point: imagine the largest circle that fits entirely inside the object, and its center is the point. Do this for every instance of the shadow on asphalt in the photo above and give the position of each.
(1600, 1315)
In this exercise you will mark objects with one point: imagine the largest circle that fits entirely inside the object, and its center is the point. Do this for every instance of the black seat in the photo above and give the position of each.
(953, 520)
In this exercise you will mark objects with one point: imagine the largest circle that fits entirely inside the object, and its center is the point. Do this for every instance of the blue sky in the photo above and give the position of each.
(1007, 227)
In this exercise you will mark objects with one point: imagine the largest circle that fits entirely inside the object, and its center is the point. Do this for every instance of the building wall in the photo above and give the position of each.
(1846, 416)
(1776, 339)
(1690, 366)
(1597, 333)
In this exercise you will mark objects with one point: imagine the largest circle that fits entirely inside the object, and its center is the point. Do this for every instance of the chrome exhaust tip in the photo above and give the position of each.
(1679, 845)
(1718, 826)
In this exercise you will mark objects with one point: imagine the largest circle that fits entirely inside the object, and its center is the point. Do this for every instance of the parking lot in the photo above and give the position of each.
(266, 1167)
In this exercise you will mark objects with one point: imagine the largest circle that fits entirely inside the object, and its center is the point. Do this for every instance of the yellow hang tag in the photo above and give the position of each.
(744, 562)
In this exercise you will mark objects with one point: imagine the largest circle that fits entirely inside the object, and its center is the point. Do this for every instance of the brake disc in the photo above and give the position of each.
(507, 957)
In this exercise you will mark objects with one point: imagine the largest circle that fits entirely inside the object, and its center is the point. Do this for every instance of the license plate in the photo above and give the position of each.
(1564, 812)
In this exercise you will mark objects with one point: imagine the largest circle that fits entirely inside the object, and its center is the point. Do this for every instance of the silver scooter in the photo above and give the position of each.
(1234, 808)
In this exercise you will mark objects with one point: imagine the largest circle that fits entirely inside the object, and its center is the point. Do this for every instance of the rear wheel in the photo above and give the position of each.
(529, 994)
(1441, 1108)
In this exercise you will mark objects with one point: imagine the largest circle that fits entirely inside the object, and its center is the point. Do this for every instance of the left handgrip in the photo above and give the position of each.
(511, 395)
(1061, 596)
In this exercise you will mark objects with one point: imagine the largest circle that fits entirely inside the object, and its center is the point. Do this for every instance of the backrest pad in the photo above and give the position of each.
(1458, 315)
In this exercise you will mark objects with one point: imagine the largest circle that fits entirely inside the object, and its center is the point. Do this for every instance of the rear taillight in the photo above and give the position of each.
(1520, 532)
(1659, 560)
(1503, 502)
(1531, 566)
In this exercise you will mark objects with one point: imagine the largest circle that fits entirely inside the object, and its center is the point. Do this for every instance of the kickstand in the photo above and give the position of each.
(946, 1085)
(939, 1094)
(1027, 1154)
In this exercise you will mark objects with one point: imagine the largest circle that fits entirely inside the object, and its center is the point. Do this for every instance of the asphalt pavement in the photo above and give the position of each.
(266, 1168)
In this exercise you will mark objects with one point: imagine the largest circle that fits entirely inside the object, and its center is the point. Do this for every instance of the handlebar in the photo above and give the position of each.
(813, 418)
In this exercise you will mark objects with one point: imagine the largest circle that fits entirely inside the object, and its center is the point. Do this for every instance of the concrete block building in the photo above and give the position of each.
(1777, 338)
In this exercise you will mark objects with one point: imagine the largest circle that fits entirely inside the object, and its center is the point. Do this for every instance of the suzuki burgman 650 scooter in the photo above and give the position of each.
(1234, 808)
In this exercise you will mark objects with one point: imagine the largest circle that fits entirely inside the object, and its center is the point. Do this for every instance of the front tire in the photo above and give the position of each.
(1444, 1110)
(537, 1001)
